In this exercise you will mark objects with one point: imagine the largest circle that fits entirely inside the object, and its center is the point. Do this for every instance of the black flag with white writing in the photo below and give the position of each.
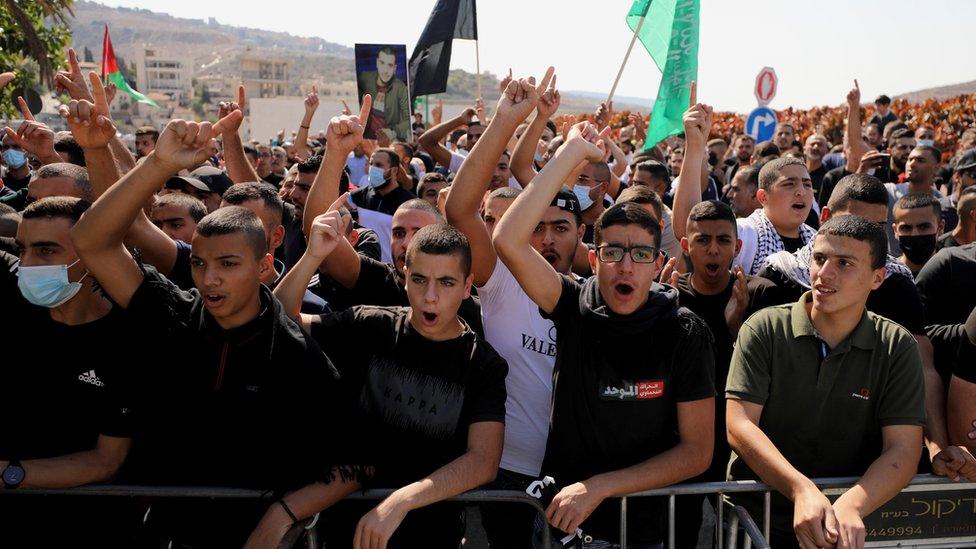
(431, 59)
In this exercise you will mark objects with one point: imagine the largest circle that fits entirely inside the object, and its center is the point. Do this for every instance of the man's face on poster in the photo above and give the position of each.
(385, 66)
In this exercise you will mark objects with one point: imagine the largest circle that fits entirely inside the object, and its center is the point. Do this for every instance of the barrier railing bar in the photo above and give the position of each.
(753, 535)
(767, 513)
(671, 512)
(623, 522)
(719, 516)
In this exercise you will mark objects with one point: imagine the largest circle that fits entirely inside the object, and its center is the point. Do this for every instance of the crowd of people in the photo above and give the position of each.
(518, 300)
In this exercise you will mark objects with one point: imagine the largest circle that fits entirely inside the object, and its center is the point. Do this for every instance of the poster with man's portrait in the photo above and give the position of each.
(381, 71)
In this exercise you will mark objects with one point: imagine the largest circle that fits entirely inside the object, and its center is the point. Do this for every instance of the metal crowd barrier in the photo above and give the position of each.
(921, 484)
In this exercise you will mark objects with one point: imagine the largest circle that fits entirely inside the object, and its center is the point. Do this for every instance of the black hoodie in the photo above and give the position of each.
(618, 380)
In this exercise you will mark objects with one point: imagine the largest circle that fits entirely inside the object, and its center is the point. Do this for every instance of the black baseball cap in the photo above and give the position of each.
(567, 201)
(966, 162)
(214, 179)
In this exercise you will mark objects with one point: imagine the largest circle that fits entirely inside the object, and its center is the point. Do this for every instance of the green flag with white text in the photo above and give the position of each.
(670, 35)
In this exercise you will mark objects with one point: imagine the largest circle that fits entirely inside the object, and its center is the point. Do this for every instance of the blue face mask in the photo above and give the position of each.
(582, 193)
(14, 159)
(926, 142)
(377, 177)
(47, 285)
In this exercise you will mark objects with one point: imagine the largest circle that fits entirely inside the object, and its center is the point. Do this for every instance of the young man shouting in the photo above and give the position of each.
(427, 394)
(623, 421)
(824, 388)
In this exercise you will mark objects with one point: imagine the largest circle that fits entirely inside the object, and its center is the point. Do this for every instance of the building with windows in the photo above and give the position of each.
(163, 73)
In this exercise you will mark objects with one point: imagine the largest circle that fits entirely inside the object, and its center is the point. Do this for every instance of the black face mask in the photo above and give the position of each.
(918, 249)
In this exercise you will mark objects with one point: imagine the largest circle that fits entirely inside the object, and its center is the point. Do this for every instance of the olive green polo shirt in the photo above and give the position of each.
(823, 408)
(825, 414)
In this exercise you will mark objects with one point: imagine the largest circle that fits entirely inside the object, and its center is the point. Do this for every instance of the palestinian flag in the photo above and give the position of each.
(111, 72)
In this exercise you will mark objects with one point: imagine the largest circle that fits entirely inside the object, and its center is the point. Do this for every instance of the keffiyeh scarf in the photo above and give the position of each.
(796, 266)
(768, 240)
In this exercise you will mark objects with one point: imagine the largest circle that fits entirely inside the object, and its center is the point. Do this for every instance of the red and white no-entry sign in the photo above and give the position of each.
(766, 85)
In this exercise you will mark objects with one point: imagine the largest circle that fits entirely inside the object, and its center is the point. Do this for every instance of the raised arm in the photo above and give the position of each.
(324, 235)
(472, 179)
(34, 137)
(698, 122)
(239, 169)
(477, 466)
(855, 141)
(99, 234)
(536, 276)
(524, 154)
(431, 139)
(301, 140)
(342, 136)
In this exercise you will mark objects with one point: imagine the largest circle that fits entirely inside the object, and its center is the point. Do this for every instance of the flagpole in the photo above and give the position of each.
(626, 57)
(477, 64)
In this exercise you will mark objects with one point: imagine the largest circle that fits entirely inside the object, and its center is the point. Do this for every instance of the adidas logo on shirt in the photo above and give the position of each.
(90, 377)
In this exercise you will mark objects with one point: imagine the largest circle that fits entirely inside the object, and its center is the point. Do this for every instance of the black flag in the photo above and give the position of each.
(431, 59)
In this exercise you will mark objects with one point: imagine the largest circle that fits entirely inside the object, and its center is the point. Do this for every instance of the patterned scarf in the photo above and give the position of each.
(796, 266)
(769, 241)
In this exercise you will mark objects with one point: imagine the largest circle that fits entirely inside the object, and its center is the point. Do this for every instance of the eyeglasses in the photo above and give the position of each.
(615, 254)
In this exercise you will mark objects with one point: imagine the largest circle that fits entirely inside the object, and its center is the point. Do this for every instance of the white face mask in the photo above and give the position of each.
(926, 142)
(582, 193)
(47, 285)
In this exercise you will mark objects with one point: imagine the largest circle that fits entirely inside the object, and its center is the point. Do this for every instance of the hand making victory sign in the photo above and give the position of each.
(34, 137)
(90, 121)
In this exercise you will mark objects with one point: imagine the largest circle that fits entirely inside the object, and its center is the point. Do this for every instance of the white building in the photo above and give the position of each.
(160, 72)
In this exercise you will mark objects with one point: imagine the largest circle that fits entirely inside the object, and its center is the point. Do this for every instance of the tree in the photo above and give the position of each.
(32, 30)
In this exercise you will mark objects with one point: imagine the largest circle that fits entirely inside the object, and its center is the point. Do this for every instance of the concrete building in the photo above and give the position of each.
(160, 72)
(265, 76)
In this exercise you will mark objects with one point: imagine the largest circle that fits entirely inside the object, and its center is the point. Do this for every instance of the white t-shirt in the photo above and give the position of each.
(515, 328)
(357, 166)
(457, 160)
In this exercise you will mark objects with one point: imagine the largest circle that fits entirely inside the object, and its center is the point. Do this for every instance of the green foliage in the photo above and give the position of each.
(33, 38)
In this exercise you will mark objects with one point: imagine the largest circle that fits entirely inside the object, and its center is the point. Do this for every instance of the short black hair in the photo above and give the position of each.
(67, 207)
(883, 100)
(900, 133)
(860, 187)
(655, 168)
(422, 205)
(65, 143)
(233, 220)
(71, 171)
(642, 194)
(250, 151)
(859, 228)
(310, 164)
(912, 201)
(193, 205)
(240, 193)
(427, 179)
(391, 155)
(751, 175)
(10, 220)
(933, 151)
(148, 130)
(627, 213)
(767, 149)
(712, 210)
(770, 171)
(441, 239)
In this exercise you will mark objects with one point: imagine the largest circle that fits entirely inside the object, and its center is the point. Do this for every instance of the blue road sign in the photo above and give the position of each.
(761, 124)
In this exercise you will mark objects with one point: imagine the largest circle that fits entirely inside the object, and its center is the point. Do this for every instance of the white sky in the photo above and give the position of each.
(816, 46)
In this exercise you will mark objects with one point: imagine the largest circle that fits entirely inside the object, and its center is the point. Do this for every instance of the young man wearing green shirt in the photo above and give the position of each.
(823, 388)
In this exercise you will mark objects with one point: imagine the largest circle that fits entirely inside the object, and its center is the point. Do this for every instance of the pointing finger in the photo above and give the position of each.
(23, 108)
(241, 96)
(550, 74)
(693, 98)
(364, 110)
(315, 89)
(222, 125)
(98, 90)
(856, 87)
(339, 202)
(73, 63)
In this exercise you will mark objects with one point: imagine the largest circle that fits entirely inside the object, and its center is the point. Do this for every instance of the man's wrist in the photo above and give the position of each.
(399, 501)
(599, 486)
(802, 487)
(153, 162)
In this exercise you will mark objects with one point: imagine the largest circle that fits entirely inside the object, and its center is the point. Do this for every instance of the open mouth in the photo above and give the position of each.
(824, 290)
(213, 300)
(799, 206)
(429, 318)
(551, 257)
(712, 269)
(623, 288)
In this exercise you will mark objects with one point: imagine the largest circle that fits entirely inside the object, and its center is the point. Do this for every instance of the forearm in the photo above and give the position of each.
(689, 189)
(124, 161)
(886, 476)
(77, 469)
(291, 290)
(108, 220)
(961, 412)
(680, 463)
(431, 140)
(325, 187)
(317, 497)
(239, 169)
(762, 456)
(103, 170)
(473, 178)
(301, 140)
(936, 435)
(619, 159)
(855, 143)
(524, 154)
(343, 264)
(404, 179)
(464, 473)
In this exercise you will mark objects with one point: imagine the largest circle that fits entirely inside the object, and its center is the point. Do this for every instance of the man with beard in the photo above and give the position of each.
(513, 323)
(785, 136)
(391, 107)
(146, 137)
(814, 150)
(742, 192)
(920, 171)
(963, 176)
(917, 226)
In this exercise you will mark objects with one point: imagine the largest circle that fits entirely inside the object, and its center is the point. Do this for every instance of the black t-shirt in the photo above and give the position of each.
(829, 182)
(232, 407)
(274, 179)
(70, 384)
(965, 364)
(947, 240)
(817, 177)
(617, 384)
(293, 246)
(369, 198)
(791, 244)
(413, 401)
(947, 283)
(381, 285)
(17, 184)
(949, 214)
(711, 309)
(896, 299)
